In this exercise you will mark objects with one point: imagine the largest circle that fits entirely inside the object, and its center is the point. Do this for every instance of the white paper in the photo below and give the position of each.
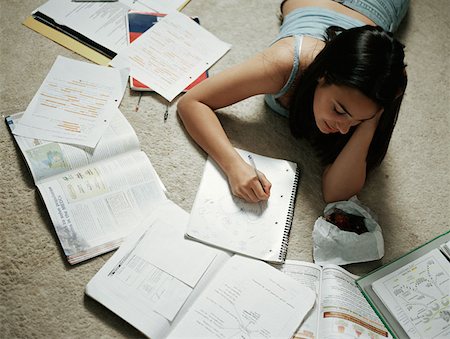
(307, 274)
(150, 286)
(167, 249)
(74, 104)
(247, 299)
(161, 6)
(143, 294)
(172, 54)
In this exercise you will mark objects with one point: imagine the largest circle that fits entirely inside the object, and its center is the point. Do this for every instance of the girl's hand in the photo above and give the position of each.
(373, 122)
(245, 184)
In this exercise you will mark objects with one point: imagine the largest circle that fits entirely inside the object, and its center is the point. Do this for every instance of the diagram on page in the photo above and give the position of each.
(421, 291)
(248, 299)
(244, 223)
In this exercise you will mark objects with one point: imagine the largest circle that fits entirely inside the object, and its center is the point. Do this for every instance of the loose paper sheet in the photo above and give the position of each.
(166, 6)
(166, 248)
(172, 54)
(74, 104)
(247, 299)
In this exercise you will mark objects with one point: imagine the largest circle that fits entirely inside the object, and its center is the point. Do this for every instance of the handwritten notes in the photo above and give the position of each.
(247, 299)
(170, 55)
(74, 104)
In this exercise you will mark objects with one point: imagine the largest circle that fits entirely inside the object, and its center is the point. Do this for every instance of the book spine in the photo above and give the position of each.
(289, 218)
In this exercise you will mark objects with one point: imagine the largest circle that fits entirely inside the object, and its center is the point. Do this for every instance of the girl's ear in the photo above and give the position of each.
(321, 81)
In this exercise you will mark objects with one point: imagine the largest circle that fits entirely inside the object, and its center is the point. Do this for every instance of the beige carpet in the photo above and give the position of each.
(43, 297)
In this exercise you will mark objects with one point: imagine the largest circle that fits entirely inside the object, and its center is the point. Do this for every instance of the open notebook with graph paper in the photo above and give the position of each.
(259, 230)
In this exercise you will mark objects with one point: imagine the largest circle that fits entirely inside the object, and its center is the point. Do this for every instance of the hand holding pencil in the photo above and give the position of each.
(248, 183)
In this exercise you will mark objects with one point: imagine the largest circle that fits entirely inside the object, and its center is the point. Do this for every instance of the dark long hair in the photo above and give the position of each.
(366, 58)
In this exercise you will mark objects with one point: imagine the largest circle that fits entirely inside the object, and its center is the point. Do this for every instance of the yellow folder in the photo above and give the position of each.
(66, 41)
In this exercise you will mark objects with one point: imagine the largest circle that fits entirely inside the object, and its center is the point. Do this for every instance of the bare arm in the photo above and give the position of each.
(345, 177)
(260, 74)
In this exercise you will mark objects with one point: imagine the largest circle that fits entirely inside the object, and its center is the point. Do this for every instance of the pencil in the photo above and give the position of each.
(166, 113)
(138, 103)
(252, 162)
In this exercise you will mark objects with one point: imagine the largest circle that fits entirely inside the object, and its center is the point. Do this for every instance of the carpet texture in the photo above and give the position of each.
(43, 297)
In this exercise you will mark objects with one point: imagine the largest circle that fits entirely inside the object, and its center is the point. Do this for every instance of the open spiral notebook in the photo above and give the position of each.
(259, 230)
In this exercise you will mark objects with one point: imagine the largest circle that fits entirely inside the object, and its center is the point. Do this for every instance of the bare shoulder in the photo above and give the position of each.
(280, 58)
(281, 54)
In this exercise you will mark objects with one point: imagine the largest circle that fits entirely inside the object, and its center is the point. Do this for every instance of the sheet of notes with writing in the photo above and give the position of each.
(74, 104)
(172, 54)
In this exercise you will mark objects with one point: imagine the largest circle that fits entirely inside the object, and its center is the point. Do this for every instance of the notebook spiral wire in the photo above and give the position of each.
(289, 217)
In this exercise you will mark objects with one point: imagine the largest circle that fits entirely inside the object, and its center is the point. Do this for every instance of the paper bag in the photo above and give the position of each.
(335, 246)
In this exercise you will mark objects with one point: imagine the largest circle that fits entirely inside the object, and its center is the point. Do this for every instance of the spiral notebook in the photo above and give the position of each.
(259, 230)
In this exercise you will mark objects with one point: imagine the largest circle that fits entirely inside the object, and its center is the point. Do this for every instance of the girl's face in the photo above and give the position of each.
(337, 108)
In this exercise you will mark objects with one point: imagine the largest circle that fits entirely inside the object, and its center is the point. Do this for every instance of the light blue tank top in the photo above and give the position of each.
(311, 21)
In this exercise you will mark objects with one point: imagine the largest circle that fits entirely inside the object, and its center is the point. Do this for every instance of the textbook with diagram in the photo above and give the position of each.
(412, 293)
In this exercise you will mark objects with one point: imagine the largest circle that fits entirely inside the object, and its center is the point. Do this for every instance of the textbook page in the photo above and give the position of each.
(344, 312)
(171, 55)
(247, 298)
(134, 284)
(74, 104)
(309, 275)
(46, 158)
(101, 203)
(418, 295)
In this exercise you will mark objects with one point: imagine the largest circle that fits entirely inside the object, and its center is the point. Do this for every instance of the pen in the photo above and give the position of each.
(252, 162)
(138, 103)
(122, 261)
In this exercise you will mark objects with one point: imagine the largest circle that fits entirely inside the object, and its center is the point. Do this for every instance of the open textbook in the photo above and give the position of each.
(94, 197)
(260, 230)
(95, 30)
(412, 294)
(341, 310)
(170, 287)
